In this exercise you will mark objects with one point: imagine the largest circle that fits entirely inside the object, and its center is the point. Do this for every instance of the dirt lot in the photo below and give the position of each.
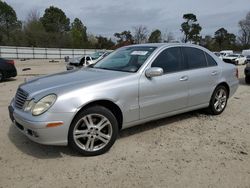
(188, 150)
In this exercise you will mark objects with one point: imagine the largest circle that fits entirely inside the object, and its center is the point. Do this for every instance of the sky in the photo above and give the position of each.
(106, 17)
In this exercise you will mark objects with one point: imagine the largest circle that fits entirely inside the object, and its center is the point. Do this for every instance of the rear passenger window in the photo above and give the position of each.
(170, 60)
(195, 57)
(210, 60)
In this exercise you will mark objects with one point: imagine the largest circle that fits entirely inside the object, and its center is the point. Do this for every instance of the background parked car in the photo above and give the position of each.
(236, 59)
(225, 53)
(248, 59)
(85, 60)
(7, 69)
(247, 72)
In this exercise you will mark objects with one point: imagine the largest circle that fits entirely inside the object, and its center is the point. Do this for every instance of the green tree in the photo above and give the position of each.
(155, 36)
(191, 28)
(35, 34)
(8, 22)
(224, 39)
(208, 42)
(124, 37)
(104, 43)
(79, 34)
(54, 20)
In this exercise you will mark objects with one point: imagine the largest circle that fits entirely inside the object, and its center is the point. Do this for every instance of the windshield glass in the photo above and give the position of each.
(128, 59)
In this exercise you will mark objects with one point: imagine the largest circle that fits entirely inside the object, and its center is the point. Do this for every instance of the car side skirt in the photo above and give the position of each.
(160, 116)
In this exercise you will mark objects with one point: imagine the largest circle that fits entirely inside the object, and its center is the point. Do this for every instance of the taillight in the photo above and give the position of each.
(11, 62)
(236, 73)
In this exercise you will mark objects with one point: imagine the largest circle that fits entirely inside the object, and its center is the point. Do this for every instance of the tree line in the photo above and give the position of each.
(54, 29)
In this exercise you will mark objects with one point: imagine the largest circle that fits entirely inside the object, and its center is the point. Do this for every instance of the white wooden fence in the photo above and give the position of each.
(42, 53)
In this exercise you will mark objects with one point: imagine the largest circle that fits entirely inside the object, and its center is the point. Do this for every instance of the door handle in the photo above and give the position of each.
(184, 78)
(214, 73)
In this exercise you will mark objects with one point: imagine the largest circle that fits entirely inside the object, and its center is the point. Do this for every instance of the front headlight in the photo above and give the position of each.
(43, 104)
(29, 105)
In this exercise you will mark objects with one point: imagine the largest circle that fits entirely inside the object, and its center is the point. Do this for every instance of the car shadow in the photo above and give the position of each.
(158, 123)
(49, 152)
(36, 150)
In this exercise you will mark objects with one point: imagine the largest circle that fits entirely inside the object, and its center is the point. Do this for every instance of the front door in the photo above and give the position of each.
(166, 93)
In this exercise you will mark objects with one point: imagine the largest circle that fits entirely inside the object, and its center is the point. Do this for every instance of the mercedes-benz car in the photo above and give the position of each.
(86, 108)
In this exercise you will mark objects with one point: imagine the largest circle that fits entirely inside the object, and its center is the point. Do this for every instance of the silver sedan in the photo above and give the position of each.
(86, 108)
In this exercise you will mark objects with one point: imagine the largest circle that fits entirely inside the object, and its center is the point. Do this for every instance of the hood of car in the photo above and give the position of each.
(69, 80)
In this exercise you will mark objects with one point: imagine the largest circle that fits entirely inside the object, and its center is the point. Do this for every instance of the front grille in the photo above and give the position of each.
(20, 98)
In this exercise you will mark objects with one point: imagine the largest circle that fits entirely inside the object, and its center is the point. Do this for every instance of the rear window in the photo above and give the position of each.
(195, 57)
(210, 60)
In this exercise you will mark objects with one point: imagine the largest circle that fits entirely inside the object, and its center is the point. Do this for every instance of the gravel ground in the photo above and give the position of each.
(188, 150)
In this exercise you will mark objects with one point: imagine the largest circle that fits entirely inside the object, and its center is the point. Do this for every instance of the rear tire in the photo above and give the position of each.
(93, 131)
(247, 79)
(218, 100)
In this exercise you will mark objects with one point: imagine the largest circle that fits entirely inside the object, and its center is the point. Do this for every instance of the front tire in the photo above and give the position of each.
(218, 100)
(93, 131)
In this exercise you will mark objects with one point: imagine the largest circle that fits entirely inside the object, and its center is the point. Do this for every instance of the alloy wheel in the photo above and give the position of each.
(92, 132)
(220, 100)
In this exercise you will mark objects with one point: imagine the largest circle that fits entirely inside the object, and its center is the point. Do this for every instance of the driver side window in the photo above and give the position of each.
(170, 60)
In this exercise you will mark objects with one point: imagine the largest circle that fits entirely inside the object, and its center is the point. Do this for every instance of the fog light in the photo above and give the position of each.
(35, 134)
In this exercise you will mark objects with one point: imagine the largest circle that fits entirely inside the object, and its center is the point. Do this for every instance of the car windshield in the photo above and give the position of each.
(127, 59)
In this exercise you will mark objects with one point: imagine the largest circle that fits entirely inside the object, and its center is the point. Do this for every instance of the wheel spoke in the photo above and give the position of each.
(87, 146)
(88, 121)
(102, 124)
(80, 134)
(223, 99)
(221, 93)
(219, 107)
(216, 104)
(92, 144)
(217, 97)
(103, 137)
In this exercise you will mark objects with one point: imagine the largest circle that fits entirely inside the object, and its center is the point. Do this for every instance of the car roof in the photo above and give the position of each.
(158, 45)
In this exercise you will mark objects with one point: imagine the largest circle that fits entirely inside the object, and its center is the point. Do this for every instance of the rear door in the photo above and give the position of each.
(203, 75)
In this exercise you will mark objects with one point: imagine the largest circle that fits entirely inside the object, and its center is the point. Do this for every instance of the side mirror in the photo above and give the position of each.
(153, 72)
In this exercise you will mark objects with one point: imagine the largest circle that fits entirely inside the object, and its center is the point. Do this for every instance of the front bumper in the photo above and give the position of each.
(38, 131)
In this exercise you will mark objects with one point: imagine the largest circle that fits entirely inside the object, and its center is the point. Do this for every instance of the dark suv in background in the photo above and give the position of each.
(247, 70)
(7, 69)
